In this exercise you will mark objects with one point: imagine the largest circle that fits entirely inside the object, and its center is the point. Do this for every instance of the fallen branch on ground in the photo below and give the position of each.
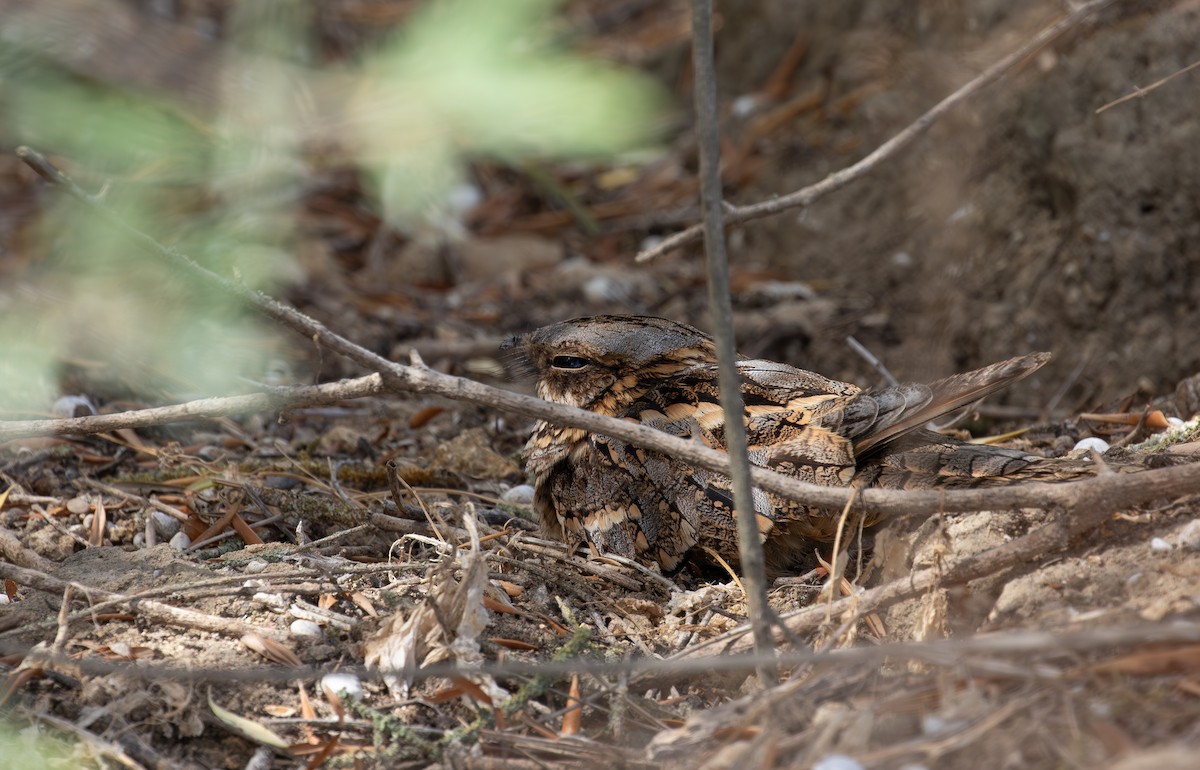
(202, 409)
(153, 611)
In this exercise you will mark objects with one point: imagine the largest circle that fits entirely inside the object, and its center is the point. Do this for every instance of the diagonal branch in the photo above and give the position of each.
(736, 215)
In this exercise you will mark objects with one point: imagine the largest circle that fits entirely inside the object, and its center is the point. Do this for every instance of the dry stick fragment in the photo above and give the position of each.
(201, 409)
(1140, 92)
(151, 610)
(125, 494)
(736, 215)
(720, 305)
(1111, 494)
(12, 550)
(198, 590)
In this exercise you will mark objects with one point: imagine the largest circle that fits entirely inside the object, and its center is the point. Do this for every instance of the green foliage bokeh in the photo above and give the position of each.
(461, 79)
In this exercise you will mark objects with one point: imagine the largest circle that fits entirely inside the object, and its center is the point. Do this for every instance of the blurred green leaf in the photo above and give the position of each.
(463, 79)
(475, 78)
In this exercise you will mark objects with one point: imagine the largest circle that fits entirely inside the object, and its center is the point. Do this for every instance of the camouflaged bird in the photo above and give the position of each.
(652, 507)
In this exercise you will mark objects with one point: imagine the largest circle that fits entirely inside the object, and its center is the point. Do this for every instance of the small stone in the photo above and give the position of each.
(521, 494)
(180, 541)
(463, 197)
(254, 566)
(745, 104)
(165, 524)
(1158, 544)
(602, 289)
(305, 629)
(1091, 442)
(78, 505)
(1189, 535)
(837, 762)
(274, 601)
(339, 683)
(73, 406)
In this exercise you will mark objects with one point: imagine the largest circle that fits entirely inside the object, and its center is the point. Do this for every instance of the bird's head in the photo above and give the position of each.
(605, 362)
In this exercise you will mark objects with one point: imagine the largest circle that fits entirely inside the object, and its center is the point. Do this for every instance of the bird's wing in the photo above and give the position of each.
(799, 418)
(875, 418)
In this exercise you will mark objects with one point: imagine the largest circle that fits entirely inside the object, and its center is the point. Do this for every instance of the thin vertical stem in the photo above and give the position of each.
(708, 134)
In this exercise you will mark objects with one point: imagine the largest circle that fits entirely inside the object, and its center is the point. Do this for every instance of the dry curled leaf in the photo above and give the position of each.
(423, 416)
(272, 650)
(247, 728)
(1155, 420)
(572, 720)
(363, 603)
(512, 589)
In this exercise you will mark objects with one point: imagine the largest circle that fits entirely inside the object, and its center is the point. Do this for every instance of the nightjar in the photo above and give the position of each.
(655, 508)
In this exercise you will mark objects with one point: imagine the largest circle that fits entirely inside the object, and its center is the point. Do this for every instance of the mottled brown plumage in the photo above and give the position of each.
(645, 505)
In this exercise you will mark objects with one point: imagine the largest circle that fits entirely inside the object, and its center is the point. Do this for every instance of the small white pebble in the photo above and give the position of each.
(603, 289)
(1133, 579)
(650, 242)
(932, 724)
(1091, 442)
(254, 566)
(139, 539)
(1158, 544)
(165, 524)
(180, 541)
(1189, 535)
(305, 629)
(337, 683)
(902, 259)
(463, 197)
(522, 494)
(78, 505)
(962, 212)
(274, 601)
(1174, 422)
(744, 105)
(73, 406)
(837, 762)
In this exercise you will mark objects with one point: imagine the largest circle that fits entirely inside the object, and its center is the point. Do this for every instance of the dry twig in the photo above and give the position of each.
(736, 215)
(720, 304)
(151, 610)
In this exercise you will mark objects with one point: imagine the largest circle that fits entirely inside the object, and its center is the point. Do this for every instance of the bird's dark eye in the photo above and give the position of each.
(569, 362)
